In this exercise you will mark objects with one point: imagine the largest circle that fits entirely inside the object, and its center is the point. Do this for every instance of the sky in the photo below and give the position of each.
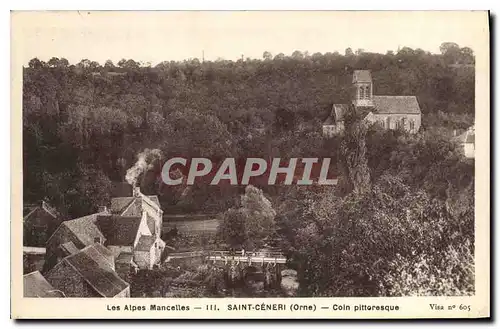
(163, 36)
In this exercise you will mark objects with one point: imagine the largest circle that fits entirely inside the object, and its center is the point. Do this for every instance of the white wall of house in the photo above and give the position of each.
(469, 150)
(155, 214)
(332, 130)
(144, 259)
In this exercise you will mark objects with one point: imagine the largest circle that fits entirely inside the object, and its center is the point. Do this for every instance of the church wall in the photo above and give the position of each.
(391, 121)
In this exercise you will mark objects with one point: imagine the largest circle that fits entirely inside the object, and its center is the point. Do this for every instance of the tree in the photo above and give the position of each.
(451, 52)
(109, 64)
(250, 224)
(267, 56)
(35, 63)
(349, 52)
(297, 54)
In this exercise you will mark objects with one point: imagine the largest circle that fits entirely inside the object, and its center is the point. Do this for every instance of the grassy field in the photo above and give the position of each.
(192, 226)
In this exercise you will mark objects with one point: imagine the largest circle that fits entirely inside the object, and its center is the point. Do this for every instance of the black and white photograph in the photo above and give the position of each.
(250, 155)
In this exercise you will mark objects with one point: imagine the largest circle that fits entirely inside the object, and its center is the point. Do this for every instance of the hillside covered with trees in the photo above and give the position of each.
(401, 220)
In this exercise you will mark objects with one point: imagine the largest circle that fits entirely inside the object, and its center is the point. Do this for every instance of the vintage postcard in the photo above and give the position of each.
(250, 164)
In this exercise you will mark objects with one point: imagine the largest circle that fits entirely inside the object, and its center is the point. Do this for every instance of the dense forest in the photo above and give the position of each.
(400, 222)
(84, 124)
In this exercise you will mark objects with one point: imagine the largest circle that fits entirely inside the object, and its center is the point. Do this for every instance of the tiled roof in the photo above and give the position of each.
(396, 105)
(470, 138)
(361, 76)
(132, 206)
(125, 258)
(119, 230)
(339, 110)
(30, 209)
(35, 285)
(118, 205)
(133, 209)
(69, 248)
(337, 114)
(104, 253)
(85, 228)
(467, 137)
(145, 243)
(95, 270)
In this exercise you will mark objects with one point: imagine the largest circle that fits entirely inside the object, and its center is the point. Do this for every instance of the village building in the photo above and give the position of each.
(89, 272)
(466, 141)
(35, 285)
(146, 206)
(33, 259)
(390, 112)
(131, 228)
(39, 222)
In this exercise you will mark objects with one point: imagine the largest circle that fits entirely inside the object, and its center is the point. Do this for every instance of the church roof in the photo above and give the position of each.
(396, 105)
(337, 114)
(361, 76)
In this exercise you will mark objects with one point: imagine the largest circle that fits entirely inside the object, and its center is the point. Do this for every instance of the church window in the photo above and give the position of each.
(367, 92)
(361, 92)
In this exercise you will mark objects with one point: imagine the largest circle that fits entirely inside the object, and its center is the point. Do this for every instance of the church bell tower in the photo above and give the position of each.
(362, 88)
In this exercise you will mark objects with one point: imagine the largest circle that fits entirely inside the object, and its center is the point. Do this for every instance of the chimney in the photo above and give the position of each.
(136, 191)
(454, 132)
(102, 209)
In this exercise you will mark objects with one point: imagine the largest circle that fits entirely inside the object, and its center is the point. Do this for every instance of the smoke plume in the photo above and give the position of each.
(145, 161)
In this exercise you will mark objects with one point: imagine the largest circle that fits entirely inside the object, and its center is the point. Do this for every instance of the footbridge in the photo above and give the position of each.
(250, 258)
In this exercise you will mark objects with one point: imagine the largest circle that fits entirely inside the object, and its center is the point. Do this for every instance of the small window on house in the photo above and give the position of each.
(367, 92)
(361, 92)
(97, 240)
(412, 124)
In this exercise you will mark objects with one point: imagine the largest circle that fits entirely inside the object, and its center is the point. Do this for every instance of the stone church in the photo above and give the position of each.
(390, 112)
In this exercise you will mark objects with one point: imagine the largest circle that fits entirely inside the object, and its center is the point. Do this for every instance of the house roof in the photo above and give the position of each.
(119, 230)
(34, 250)
(337, 114)
(125, 258)
(35, 285)
(396, 105)
(93, 267)
(145, 243)
(361, 76)
(339, 111)
(468, 137)
(102, 253)
(69, 248)
(131, 205)
(85, 228)
(30, 209)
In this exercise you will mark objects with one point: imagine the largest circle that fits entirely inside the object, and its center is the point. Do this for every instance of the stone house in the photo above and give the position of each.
(146, 206)
(467, 143)
(114, 233)
(33, 259)
(88, 273)
(39, 222)
(35, 285)
(132, 235)
(390, 112)
(72, 236)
